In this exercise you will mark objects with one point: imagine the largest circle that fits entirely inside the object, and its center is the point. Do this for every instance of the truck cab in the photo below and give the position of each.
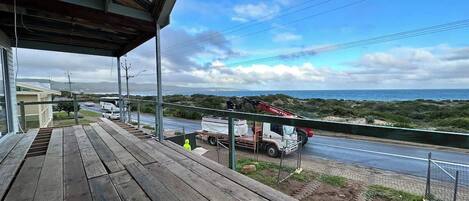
(279, 138)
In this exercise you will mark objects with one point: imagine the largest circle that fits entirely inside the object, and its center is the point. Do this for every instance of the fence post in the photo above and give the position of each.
(231, 137)
(23, 116)
(138, 114)
(427, 187)
(75, 108)
(456, 181)
(129, 112)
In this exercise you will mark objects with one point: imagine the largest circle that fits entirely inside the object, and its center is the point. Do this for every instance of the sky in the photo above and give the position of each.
(288, 45)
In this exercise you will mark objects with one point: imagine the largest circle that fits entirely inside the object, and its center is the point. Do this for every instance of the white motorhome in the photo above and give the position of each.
(109, 104)
(272, 138)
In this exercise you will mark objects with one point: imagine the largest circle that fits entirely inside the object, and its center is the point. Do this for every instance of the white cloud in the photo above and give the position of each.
(246, 12)
(286, 37)
(260, 74)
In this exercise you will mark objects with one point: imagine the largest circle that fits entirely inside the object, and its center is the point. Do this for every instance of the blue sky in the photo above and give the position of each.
(199, 49)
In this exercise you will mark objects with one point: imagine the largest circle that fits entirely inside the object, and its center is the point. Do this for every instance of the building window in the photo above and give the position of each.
(3, 101)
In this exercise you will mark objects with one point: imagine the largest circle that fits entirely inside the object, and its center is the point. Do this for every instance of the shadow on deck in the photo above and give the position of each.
(102, 161)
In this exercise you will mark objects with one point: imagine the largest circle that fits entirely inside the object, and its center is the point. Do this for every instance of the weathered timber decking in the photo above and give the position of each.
(103, 161)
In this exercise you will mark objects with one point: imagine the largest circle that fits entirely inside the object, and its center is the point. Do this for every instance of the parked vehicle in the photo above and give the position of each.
(109, 103)
(112, 115)
(272, 138)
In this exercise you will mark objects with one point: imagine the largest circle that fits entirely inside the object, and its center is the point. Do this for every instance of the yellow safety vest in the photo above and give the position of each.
(187, 145)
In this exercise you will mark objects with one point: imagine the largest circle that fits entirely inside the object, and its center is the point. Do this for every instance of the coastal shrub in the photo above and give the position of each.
(370, 119)
(462, 123)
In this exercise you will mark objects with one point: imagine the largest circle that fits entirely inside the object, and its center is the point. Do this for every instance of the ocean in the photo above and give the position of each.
(377, 95)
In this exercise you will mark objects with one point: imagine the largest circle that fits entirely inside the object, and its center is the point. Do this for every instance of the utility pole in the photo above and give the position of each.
(127, 68)
(69, 83)
(127, 77)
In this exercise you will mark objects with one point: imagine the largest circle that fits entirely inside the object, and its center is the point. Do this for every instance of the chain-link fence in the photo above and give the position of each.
(290, 160)
(447, 180)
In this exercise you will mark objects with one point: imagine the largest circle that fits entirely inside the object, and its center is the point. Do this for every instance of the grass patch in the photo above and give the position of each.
(389, 194)
(267, 172)
(61, 119)
(333, 180)
(148, 127)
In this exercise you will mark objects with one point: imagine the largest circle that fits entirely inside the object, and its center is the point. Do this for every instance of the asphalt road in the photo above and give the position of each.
(386, 156)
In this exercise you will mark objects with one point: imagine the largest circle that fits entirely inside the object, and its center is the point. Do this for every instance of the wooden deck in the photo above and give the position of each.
(102, 161)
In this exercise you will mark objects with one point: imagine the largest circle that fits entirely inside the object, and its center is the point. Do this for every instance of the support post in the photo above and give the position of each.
(428, 184)
(159, 89)
(231, 138)
(456, 181)
(75, 109)
(23, 116)
(119, 86)
(138, 114)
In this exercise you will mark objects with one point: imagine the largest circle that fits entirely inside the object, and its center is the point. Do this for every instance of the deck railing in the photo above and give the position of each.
(22, 105)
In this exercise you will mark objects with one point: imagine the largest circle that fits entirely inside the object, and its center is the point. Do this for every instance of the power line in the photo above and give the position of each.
(271, 28)
(249, 23)
(375, 40)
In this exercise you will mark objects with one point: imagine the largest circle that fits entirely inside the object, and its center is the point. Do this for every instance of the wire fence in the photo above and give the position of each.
(447, 180)
(287, 168)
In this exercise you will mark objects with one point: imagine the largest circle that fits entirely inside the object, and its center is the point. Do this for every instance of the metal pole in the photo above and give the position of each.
(127, 88)
(69, 82)
(455, 196)
(159, 89)
(119, 86)
(138, 114)
(23, 116)
(427, 189)
(75, 108)
(231, 138)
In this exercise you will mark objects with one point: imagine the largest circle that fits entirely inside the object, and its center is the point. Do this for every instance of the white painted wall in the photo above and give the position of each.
(5, 43)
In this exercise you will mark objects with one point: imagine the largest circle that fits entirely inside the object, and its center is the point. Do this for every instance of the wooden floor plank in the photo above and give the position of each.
(152, 186)
(253, 185)
(102, 189)
(108, 158)
(127, 187)
(174, 184)
(50, 185)
(120, 152)
(12, 162)
(93, 165)
(223, 183)
(198, 183)
(75, 181)
(8, 142)
(140, 155)
(25, 184)
(256, 187)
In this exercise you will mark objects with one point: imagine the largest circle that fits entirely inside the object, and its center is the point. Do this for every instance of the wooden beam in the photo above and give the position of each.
(45, 26)
(135, 43)
(44, 15)
(109, 7)
(86, 13)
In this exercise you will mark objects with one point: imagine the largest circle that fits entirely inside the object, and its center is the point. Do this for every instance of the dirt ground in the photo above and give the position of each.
(327, 192)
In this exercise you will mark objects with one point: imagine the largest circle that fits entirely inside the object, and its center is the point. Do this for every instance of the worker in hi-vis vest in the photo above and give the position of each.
(187, 145)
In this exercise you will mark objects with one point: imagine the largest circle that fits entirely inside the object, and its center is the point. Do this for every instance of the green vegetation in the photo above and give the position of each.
(267, 172)
(67, 107)
(444, 115)
(62, 119)
(388, 194)
(333, 180)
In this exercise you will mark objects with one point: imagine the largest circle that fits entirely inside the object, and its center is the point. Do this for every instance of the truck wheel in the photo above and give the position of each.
(272, 151)
(212, 141)
(303, 136)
